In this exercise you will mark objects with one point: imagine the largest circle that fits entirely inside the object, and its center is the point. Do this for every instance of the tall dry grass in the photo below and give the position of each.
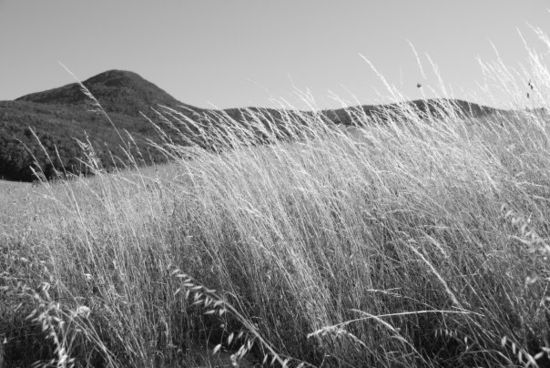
(421, 241)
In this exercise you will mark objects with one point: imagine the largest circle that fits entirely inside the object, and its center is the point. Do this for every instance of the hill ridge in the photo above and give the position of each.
(61, 115)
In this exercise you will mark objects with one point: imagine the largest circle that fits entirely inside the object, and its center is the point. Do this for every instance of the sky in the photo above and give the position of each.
(234, 53)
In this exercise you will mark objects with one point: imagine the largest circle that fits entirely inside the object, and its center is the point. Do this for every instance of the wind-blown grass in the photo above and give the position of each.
(415, 241)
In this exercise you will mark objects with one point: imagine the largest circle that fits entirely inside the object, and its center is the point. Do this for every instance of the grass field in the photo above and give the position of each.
(419, 242)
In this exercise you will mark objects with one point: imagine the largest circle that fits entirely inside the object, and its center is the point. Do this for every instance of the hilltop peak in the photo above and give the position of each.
(118, 91)
(115, 73)
(118, 78)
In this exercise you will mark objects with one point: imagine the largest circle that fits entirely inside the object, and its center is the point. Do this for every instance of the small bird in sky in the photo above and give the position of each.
(418, 85)
(531, 87)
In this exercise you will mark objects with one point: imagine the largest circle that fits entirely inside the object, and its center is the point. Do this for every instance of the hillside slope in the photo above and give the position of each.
(61, 116)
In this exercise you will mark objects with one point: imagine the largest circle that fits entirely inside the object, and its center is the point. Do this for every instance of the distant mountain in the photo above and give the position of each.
(61, 117)
(118, 91)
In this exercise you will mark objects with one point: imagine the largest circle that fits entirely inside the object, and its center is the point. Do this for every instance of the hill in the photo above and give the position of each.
(118, 91)
(62, 117)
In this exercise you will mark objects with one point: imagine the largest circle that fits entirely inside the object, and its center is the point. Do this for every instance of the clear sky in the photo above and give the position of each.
(231, 53)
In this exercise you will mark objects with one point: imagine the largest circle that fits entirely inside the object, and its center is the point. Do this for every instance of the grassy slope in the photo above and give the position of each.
(411, 243)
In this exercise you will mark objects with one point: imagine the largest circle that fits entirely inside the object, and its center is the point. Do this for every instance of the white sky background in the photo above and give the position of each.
(232, 53)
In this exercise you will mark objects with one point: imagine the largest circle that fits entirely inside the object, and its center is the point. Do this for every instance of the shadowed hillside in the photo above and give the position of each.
(61, 117)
